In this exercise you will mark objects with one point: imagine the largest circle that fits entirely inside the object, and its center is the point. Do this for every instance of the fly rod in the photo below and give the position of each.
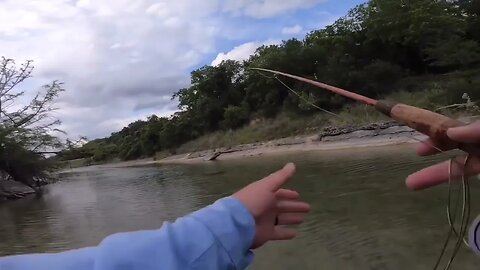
(431, 124)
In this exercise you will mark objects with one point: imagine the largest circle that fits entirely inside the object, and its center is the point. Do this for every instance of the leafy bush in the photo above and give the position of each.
(376, 78)
(235, 117)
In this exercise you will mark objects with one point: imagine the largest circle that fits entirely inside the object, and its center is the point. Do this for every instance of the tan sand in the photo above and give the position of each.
(396, 135)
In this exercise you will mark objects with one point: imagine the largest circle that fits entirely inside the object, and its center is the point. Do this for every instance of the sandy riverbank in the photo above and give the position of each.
(333, 138)
(373, 135)
(330, 138)
(368, 136)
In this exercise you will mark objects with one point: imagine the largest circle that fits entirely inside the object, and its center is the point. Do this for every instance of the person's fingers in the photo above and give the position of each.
(290, 219)
(286, 206)
(281, 233)
(287, 194)
(277, 179)
(466, 134)
(438, 174)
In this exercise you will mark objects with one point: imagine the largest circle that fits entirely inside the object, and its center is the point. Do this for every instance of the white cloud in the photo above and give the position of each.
(115, 57)
(266, 8)
(121, 59)
(241, 52)
(292, 30)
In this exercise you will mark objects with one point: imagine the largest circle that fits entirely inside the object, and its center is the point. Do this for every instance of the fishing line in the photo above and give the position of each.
(464, 183)
(297, 94)
(449, 216)
(304, 99)
(463, 190)
(466, 209)
(465, 215)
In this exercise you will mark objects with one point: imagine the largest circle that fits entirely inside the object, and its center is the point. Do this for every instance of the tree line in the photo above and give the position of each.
(368, 50)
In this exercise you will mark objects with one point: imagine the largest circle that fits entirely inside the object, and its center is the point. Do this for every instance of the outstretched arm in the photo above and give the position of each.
(220, 236)
(216, 237)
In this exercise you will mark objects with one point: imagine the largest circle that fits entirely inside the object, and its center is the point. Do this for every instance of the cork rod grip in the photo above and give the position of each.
(429, 123)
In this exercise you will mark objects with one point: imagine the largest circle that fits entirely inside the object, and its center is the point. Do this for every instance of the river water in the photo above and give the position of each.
(363, 216)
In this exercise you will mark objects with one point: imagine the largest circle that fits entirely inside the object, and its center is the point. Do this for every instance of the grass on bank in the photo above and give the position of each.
(437, 92)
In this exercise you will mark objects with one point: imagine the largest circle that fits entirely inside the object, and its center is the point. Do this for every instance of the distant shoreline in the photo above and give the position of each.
(374, 135)
(334, 138)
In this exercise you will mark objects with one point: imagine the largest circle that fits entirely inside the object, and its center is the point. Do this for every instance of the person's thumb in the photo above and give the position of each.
(467, 134)
(277, 179)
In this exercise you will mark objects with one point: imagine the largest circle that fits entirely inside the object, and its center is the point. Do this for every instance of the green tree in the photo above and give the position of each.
(235, 117)
(26, 131)
(454, 53)
(471, 10)
(212, 90)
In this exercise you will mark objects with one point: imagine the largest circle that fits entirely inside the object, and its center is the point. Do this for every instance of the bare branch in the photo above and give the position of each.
(27, 131)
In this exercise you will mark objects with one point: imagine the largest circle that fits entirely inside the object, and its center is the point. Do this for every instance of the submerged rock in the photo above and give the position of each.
(10, 190)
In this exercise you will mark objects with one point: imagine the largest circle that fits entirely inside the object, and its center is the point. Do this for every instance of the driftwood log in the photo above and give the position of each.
(216, 154)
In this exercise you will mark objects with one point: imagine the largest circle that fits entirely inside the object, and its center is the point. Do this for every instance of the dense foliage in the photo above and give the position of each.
(26, 131)
(368, 50)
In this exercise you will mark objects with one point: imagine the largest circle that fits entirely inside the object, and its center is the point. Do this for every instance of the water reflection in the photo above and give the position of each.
(363, 216)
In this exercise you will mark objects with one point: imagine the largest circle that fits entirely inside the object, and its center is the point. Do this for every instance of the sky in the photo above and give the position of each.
(122, 60)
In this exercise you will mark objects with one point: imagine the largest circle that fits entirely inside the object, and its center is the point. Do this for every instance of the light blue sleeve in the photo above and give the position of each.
(216, 237)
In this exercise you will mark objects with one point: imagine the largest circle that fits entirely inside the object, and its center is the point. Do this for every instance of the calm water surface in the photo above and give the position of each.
(363, 216)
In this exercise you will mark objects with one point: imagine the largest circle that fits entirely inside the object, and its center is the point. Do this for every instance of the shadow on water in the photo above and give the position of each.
(363, 216)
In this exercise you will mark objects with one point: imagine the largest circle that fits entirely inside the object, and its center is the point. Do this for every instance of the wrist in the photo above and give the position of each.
(233, 226)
